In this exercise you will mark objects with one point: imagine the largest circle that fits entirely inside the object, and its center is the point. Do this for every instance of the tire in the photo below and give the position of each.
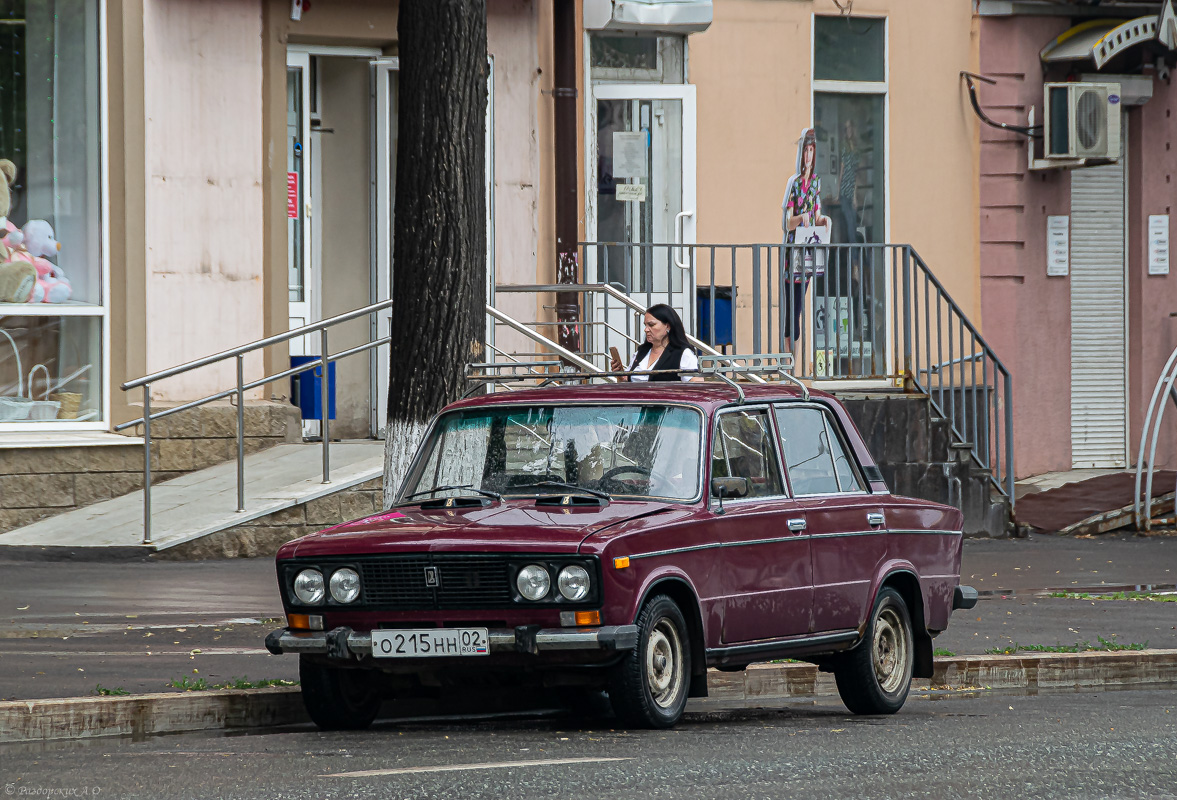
(338, 699)
(875, 677)
(649, 688)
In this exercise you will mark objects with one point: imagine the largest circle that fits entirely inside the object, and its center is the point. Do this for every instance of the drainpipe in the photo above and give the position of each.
(565, 96)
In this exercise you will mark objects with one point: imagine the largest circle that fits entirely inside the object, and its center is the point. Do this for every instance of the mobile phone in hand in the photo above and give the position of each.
(615, 357)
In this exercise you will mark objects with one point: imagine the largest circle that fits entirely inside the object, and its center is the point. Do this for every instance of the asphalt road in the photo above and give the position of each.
(1074, 746)
(66, 628)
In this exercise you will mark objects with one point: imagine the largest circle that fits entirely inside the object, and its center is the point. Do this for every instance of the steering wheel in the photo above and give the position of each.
(615, 471)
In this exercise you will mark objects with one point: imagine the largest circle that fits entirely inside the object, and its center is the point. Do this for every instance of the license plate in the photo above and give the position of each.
(430, 642)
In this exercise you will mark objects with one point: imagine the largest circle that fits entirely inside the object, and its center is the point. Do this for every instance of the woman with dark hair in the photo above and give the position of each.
(666, 348)
(801, 208)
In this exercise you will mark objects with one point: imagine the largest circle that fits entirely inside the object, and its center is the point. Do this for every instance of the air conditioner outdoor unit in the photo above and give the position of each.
(1082, 120)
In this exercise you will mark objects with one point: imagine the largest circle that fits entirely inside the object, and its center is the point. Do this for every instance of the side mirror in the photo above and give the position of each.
(730, 487)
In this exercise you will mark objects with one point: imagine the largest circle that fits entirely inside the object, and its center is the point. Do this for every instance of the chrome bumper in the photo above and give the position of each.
(345, 643)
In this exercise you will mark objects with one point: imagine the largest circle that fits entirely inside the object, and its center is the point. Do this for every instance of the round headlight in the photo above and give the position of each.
(574, 582)
(308, 587)
(533, 582)
(345, 585)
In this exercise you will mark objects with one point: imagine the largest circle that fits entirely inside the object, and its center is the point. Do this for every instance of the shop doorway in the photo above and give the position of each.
(642, 192)
(340, 156)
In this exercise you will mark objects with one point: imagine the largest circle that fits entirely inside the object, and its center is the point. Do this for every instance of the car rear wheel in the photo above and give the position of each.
(338, 699)
(875, 677)
(649, 688)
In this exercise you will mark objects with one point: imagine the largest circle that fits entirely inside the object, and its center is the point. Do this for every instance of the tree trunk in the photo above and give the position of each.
(439, 256)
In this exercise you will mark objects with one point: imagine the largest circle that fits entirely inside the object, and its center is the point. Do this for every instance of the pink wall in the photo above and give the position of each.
(1027, 314)
(1152, 333)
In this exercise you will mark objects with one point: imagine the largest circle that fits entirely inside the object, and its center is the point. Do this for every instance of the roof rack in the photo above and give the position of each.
(730, 369)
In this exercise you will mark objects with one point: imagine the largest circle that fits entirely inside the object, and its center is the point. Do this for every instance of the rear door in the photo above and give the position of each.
(763, 546)
(846, 524)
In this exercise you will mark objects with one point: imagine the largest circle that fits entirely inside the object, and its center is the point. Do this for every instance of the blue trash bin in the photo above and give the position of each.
(724, 315)
(306, 390)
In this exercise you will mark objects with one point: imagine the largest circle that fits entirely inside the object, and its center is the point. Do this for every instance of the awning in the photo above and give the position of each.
(650, 16)
(1100, 40)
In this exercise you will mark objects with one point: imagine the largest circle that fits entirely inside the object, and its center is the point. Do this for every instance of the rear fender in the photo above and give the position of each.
(901, 576)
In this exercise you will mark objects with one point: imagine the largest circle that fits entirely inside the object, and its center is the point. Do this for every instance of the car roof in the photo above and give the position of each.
(706, 395)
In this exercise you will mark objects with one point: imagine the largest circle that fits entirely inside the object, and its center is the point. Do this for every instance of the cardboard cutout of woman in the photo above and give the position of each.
(802, 223)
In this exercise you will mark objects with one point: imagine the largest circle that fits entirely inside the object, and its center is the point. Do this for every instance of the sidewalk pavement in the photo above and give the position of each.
(66, 628)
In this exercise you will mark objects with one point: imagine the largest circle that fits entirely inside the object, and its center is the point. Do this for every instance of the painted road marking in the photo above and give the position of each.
(549, 762)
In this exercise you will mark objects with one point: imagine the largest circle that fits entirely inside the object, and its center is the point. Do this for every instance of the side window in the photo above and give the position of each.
(743, 449)
(843, 466)
(806, 446)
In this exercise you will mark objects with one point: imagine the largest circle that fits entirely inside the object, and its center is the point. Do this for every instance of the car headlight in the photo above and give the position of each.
(573, 582)
(308, 587)
(533, 582)
(345, 585)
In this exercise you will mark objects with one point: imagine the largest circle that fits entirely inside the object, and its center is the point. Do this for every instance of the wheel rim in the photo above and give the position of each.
(892, 651)
(664, 663)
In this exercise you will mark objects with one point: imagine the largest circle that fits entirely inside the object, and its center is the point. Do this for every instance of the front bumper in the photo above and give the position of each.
(345, 643)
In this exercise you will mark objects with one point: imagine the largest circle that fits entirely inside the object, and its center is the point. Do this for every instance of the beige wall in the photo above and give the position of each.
(203, 218)
(753, 71)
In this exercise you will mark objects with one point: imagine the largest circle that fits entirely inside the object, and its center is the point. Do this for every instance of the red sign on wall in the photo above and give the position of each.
(292, 195)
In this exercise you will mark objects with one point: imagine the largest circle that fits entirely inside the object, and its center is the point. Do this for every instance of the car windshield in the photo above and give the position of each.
(631, 451)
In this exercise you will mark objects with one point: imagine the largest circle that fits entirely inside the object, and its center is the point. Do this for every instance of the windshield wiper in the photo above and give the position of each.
(575, 489)
(470, 486)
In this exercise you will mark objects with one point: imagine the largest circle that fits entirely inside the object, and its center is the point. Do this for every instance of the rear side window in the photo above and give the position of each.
(743, 449)
(814, 455)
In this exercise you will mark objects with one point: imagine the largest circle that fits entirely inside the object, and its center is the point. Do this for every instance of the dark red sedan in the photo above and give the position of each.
(625, 537)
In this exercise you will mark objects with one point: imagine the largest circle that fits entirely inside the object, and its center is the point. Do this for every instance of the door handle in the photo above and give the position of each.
(797, 524)
(678, 222)
(875, 518)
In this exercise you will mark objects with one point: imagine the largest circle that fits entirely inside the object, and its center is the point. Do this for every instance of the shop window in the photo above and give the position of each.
(51, 332)
(849, 117)
(849, 49)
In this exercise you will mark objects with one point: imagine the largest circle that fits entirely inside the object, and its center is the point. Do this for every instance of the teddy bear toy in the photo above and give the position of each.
(40, 245)
(17, 278)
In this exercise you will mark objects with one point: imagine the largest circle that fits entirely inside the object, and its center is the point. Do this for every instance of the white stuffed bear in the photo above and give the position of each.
(39, 242)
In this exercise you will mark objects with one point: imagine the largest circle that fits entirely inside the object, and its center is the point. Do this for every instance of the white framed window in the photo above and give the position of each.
(54, 338)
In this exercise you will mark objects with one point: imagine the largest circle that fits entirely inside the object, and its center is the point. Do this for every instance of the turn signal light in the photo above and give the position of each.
(621, 563)
(306, 622)
(588, 617)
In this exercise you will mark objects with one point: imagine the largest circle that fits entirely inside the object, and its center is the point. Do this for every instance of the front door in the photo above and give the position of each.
(641, 200)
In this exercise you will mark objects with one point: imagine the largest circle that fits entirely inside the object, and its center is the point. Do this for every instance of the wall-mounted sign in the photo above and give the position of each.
(1058, 246)
(631, 192)
(629, 154)
(292, 195)
(1158, 244)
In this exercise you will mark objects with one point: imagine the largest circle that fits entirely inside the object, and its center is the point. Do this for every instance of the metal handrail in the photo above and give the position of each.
(242, 386)
(1150, 432)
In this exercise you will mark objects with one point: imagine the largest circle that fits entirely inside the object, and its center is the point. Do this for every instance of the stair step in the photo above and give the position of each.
(961, 445)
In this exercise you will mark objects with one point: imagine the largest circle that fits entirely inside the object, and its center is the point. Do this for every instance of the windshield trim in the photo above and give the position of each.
(418, 463)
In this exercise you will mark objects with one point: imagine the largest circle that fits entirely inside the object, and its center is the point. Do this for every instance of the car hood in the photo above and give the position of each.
(504, 527)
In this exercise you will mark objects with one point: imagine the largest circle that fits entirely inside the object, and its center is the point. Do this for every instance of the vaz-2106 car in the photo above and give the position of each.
(625, 537)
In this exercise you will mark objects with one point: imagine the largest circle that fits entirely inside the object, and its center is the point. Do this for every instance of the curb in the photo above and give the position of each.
(226, 709)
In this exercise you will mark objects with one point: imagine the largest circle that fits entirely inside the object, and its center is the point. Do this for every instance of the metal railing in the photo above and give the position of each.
(1142, 499)
(242, 386)
(869, 313)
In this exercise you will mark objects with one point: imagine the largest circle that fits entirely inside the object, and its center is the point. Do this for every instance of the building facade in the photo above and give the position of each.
(1076, 291)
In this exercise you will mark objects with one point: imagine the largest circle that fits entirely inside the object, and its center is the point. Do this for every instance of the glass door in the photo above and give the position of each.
(299, 150)
(641, 200)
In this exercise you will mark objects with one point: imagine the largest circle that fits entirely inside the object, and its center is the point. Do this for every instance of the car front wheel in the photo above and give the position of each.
(338, 699)
(649, 688)
(874, 677)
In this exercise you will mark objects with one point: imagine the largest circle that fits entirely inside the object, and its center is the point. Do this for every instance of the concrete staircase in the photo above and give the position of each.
(194, 515)
(918, 457)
